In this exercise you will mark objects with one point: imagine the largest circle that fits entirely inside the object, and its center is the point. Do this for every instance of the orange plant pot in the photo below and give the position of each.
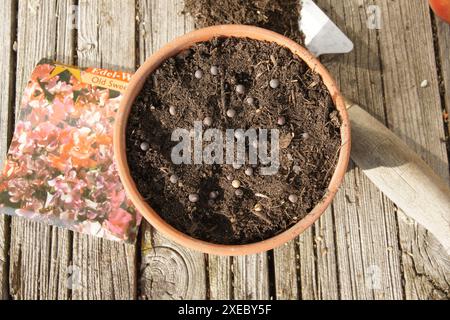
(172, 49)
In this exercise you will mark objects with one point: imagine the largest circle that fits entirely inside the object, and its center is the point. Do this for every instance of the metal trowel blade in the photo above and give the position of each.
(322, 36)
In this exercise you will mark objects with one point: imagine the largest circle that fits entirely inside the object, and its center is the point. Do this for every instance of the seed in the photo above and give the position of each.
(231, 113)
(172, 111)
(249, 171)
(305, 136)
(236, 184)
(145, 146)
(296, 169)
(258, 207)
(274, 83)
(207, 121)
(239, 192)
(240, 89)
(229, 177)
(424, 84)
(250, 101)
(173, 179)
(293, 198)
(198, 74)
(281, 121)
(213, 195)
(193, 197)
(214, 70)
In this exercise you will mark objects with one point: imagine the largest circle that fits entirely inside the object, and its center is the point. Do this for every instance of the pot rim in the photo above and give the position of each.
(171, 49)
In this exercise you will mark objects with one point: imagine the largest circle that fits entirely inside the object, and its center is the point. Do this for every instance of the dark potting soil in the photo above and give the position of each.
(173, 97)
(281, 16)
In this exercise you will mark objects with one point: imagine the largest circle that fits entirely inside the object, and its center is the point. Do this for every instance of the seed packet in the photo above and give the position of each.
(60, 167)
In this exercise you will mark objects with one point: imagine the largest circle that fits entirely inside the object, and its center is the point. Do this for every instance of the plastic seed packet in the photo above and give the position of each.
(60, 166)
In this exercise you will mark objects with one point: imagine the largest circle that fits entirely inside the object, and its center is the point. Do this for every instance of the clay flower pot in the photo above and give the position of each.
(172, 49)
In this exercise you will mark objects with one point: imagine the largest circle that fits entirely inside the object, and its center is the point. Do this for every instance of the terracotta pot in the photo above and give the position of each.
(172, 49)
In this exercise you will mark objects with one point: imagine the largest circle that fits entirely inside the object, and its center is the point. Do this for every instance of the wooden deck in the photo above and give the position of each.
(362, 248)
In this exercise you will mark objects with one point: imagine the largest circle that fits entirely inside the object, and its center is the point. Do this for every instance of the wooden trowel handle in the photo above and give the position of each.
(401, 174)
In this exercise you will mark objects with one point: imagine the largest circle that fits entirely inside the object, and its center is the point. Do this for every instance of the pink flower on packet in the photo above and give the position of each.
(60, 167)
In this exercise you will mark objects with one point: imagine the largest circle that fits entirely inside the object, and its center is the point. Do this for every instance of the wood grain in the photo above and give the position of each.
(367, 255)
(443, 54)
(169, 271)
(415, 115)
(39, 254)
(7, 57)
(251, 277)
(286, 273)
(106, 38)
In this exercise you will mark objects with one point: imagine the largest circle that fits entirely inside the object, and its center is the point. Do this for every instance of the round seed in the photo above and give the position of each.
(207, 121)
(236, 184)
(424, 84)
(214, 70)
(213, 195)
(250, 101)
(198, 74)
(239, 192)
(172, 111)
(296, 169)
(281, 121)
(145, 146)
(240, 89)
(231, 113)
(305, 136)
(258, 207)
(274, 83)
(249, 172)
(293, 198)
(173, 179)
(193, 197)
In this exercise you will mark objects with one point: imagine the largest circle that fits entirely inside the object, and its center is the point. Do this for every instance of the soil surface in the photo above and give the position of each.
(281, 16)
(175, 96)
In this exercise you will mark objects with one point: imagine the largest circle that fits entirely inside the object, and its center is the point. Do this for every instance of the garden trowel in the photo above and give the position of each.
(387, 161)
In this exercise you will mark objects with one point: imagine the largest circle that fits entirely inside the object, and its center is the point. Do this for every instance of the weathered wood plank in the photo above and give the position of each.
(443, 42)
(7, 37)
(106, 38)
(251, 277)
(286, 274)
(39, 254)
(307, 266)
(415, 115)
(368, 264)
(169, 271)
(220, 278)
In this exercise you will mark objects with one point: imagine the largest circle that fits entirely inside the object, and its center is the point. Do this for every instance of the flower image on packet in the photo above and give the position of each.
(60, 167)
